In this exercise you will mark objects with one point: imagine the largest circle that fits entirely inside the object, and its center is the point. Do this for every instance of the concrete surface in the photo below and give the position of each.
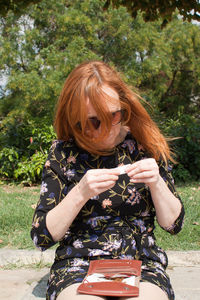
(20, 281)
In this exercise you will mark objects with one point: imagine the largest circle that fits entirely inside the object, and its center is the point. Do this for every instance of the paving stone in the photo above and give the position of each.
(30, 284)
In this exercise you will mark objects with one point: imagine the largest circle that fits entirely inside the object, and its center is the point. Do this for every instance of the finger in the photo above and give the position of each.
(145, 174)
(104, 185)
(104, 177)
(142, 163)
(137, 171)
(113, 171)
(137, 167)
(142, 167)
(110, 184)
(122, 169)
(131, 167)
(144, 179)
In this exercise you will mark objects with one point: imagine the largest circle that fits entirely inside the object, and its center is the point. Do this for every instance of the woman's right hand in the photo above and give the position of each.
(97, 181)
(94, 182)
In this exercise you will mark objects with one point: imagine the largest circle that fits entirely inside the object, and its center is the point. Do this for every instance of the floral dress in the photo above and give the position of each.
(117, 224)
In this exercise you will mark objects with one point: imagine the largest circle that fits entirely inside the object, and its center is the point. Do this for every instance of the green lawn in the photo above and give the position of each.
(16, 214)
(189, 237)
(17, 207)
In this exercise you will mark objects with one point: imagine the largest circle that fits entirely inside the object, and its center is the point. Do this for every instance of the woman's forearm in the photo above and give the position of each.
(167, 206)
(60, 218)
(94, 182)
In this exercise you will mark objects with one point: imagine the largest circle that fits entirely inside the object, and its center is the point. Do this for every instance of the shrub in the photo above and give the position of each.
(8, 161)
(29, 171)
(187, 147)
(26, 164)
(41, 138)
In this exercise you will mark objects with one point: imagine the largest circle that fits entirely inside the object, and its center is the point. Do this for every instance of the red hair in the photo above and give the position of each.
(86, 81)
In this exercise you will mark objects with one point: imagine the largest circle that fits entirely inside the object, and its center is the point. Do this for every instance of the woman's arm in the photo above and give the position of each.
(59, 204)
(167, 205)
(94, 182)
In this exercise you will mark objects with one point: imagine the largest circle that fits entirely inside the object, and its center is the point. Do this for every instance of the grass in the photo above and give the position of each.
(189, 237)
(16, 212)
(21, 265)
(17, 208)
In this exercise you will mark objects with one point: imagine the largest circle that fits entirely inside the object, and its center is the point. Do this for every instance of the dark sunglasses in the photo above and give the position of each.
(117, 117)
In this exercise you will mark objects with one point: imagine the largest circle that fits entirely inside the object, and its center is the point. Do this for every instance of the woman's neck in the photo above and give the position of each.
(122, 134)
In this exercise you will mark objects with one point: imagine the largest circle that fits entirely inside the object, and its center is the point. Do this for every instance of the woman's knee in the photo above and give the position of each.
(149, 291)
(71, 293)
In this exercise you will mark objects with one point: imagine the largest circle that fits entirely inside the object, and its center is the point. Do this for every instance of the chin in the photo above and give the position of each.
(109, 143)
(108, 146)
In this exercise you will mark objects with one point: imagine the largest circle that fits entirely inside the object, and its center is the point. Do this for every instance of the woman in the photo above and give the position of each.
(86, 204)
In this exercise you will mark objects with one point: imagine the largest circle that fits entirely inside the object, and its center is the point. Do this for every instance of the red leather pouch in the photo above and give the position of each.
(112, 277)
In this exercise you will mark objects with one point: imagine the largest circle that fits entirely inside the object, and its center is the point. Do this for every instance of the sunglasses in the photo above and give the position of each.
(116, 118)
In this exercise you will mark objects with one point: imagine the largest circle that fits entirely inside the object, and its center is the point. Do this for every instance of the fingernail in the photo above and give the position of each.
(132, 180)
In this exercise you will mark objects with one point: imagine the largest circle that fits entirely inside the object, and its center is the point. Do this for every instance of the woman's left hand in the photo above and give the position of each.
(145, 170)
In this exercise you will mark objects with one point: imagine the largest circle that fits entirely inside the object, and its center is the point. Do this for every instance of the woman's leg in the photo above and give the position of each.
(70, 293)
(148, 291)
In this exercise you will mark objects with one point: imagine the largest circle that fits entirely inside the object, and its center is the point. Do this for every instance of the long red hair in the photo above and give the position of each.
(86, 81)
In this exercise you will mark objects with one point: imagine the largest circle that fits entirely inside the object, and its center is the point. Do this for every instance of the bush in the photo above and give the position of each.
(41, 138)
(29, 171)
(8, 161)
(181, 174)
(26, 164)
(15, 133)
(187, 147)
(23, 158)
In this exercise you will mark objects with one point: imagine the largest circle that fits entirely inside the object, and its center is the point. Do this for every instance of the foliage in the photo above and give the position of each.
(152, 10)
(29, 171)
(29, 168)
(187, 147)
(162, 8)
(39, 50)
(15, 133)
(8, 161)
(17, 6)
(41, 138)
(26, 164)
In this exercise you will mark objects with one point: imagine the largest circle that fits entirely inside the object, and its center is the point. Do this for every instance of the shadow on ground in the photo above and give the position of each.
(40, 289)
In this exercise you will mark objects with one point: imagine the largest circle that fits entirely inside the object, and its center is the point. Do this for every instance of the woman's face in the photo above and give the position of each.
(112, 139)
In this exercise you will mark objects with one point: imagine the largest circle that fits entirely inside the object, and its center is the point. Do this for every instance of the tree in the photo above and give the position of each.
(17, 6)
(39, 49)
(153, 10)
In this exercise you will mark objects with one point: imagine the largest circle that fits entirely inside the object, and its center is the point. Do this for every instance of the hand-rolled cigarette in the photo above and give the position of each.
(122, 169)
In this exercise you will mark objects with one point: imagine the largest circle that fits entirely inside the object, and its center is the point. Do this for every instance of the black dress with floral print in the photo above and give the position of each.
(117, 224)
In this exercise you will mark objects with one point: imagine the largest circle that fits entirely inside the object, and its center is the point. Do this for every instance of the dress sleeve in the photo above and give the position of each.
(53, 190)
(165, 172)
